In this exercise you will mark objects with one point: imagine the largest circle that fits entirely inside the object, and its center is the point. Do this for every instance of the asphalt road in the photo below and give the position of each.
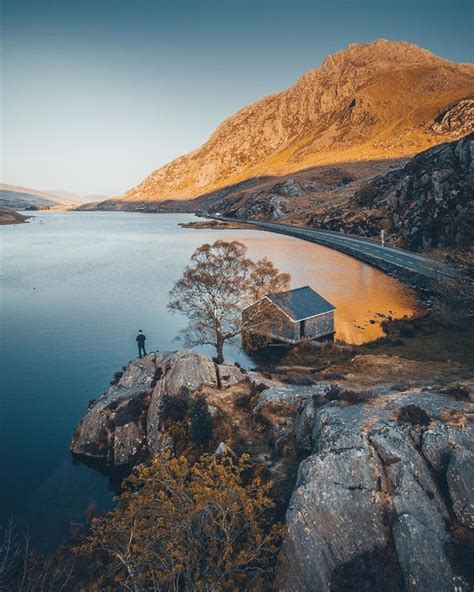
(397, 257)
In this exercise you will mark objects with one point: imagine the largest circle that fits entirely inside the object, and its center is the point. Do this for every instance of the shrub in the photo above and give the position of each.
(262, 421)
(130, 411)
(299, 379)
(116, 377)
(257, 388)
(175, 408)
(414, 415)
(336, 393)
(356, 397)
(244, 402)
(201, 427)
(180, 526)
(408, 331)
(458, 392)
(318, 402)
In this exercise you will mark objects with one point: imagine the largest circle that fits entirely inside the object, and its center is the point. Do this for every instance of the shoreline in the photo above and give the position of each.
(8, 216)
(217, 225)
(427, 288)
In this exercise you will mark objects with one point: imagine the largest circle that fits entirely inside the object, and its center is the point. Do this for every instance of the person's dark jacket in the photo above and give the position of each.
(141, 339)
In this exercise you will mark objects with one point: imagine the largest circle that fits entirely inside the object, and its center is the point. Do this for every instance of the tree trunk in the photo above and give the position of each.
(220, 351)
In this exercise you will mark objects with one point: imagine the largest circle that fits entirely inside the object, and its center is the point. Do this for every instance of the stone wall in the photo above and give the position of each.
(319, 326)
(274, 323)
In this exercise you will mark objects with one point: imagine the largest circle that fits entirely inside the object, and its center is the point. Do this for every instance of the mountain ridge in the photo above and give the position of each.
(370, 101)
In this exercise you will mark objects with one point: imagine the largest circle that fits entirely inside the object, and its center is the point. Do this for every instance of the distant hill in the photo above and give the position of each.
(75, 197)
(378, 101)
(15, 196)
(18, 197)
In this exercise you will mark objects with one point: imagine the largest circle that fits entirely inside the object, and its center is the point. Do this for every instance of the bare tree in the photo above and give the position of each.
(214, 289)
(22, 569)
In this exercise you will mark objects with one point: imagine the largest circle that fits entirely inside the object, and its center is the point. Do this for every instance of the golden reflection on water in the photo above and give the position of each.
(359, 292)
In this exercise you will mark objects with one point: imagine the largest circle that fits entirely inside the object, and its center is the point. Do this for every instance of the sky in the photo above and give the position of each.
(96, 94)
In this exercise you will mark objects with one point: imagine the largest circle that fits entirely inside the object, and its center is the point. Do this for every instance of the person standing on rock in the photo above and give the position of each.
(141, 343)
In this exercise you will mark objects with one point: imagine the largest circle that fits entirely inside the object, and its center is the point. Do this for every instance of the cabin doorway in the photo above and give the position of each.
(302, 329)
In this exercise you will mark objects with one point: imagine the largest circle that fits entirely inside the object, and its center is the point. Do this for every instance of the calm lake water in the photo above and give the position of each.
(75, 288)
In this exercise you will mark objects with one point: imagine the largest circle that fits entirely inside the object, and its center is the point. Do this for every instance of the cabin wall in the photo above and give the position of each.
(319, 326)
(269, 320)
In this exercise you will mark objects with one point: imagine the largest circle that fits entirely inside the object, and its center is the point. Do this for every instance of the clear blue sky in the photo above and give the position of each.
(98, 93)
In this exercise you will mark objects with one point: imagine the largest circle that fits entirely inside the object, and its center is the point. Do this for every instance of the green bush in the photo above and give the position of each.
(201, 428)
(412, 414)
(175, 408)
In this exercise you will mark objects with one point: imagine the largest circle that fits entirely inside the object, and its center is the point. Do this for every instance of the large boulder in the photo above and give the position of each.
(367, 505)
(278, 407)
(189, 369)
(438, 442)
(230, 374)
(460, 477)
(422, 557)
(114, 428)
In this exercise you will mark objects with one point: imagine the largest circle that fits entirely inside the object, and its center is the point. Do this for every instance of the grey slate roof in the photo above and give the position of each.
(301, 303)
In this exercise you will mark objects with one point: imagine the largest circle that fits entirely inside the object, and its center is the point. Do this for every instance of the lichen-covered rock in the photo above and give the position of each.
(332, 517)
(438, 442)
(140, 371)
(258, 382)
(230, 374)
(286, 398)
(304, 426)
(189, 369)
(367, 491)
(422, 557)
(460, 477)
(278, 405)
(113, 430)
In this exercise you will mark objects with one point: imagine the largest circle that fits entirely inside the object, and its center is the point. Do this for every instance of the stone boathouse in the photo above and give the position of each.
(290, 317)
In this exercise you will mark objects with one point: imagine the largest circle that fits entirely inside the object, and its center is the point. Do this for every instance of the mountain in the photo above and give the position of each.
(15, 196)
(18, 197)
(370, 102)
(70, 197)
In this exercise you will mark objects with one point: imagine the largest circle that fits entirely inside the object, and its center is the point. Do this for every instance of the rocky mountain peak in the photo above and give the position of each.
(378, 54)
(376, 100)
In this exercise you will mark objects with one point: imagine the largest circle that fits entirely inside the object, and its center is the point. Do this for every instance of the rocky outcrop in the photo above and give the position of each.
(229, 374)
(385, 486)
(358, 105)
(374, 502)
(114, 428)
(123, 426)
(458, 117)
(460, 477)
(428, 204)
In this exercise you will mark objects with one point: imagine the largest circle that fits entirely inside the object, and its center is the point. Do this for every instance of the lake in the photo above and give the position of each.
(75, 288)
